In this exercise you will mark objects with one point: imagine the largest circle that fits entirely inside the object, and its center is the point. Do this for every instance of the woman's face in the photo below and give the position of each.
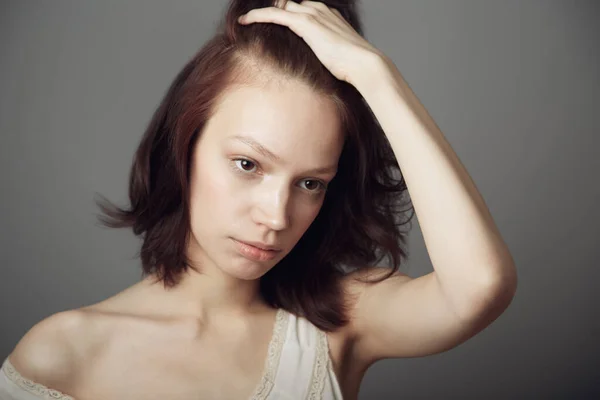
(259, 174)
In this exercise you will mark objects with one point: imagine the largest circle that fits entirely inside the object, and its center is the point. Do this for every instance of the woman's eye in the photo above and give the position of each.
(314, 186)
(244, 165)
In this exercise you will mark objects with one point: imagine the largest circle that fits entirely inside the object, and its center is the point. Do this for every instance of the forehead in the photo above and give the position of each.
(282, 116)
(285, 106)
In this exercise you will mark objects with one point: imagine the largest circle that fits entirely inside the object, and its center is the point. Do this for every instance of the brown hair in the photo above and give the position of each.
(357, 225)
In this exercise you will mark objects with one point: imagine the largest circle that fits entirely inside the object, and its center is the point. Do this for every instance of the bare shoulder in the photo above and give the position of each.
(49, 352)
(412, 317)
(357, 286)
(357, 281)
(349, 362)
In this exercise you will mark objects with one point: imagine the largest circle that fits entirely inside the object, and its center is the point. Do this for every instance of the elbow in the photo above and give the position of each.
(497, 294)
(492, 298)
(504, 287)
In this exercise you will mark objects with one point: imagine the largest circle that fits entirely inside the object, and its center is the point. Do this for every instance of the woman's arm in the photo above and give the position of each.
(474, 278)
(468, 254)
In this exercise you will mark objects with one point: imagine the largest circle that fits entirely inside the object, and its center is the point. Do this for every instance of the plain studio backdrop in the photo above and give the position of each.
(514, 86)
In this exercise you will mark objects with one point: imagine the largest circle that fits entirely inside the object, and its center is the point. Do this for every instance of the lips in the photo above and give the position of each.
(260, 245)
(254, 253)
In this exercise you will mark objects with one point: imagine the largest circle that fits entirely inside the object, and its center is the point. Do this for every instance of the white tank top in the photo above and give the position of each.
(298, 367)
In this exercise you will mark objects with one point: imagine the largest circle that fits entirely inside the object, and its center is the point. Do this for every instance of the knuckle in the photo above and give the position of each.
(321, 6)
(316, 5)
(308, 18)
(313, 12)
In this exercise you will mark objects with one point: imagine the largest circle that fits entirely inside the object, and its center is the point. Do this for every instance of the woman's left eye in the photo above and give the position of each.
(317, 185)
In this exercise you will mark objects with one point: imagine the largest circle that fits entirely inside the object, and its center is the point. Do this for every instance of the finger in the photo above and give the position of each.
(290, 6)
(318, 10)
(296, 21)
(316, 5)
(336, 12)
(322, 8)
(301, 8)
(267, 14)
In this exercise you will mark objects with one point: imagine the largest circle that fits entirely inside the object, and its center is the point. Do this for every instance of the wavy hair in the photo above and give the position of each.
(360, 219)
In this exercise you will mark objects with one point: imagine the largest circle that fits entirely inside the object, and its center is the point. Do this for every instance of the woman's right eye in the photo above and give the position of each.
(242, 164)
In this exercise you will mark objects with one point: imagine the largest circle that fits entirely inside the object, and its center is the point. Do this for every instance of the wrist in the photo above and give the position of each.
(379, 72)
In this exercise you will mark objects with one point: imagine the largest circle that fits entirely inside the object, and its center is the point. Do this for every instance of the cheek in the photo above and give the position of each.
(211, 194)
(216, 187)
(304, 217)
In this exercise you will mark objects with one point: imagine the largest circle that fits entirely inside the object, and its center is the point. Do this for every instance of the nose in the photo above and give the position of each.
(272, 208)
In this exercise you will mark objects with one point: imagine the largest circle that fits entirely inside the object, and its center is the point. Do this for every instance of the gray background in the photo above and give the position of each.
(514, 85)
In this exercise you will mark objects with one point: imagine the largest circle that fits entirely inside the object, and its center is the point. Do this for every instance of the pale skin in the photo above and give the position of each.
(146, 343)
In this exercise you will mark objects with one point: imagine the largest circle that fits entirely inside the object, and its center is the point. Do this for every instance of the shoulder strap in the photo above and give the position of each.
(303, 361)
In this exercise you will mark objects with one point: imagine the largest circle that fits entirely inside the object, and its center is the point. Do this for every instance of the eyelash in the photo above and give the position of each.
(244, 172)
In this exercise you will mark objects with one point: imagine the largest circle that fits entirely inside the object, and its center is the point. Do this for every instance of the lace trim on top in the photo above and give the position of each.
(260, 393)
(31, 386)
(322, 361)
(274, 354)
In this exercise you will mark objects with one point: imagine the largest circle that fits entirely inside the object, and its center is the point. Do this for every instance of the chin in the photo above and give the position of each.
(244, 269)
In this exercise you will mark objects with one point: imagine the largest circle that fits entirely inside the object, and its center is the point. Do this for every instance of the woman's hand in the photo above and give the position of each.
(346, 54)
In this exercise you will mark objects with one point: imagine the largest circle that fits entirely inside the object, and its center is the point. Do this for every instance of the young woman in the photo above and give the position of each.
(266, 188)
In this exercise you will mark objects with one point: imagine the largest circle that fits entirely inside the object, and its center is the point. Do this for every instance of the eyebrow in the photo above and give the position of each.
(259, 148)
